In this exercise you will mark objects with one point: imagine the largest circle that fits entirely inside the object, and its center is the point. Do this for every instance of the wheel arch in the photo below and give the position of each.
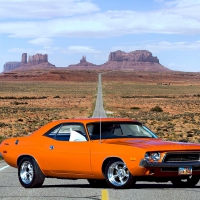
(105, 162)
(23, 156)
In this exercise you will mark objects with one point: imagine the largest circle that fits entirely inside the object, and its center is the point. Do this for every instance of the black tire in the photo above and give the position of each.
(118, 175)
(29, 173)
(98, 183)
(187, 182)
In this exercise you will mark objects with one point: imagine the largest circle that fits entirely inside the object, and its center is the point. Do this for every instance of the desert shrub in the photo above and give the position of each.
(183, 140)
(157, 109)
(56, 97)
(189, 135)
(135, 108)
(2, 124)
(18, 103)
(1, 138)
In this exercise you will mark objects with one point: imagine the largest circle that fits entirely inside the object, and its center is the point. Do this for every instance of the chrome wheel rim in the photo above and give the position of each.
(26, 172)
(118, 173)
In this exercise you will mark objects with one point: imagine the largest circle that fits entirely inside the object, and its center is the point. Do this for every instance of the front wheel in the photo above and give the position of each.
(29, 173)
(190, 181)
(118, 175)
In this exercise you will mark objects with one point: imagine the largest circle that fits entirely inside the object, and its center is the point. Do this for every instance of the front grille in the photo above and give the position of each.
(182, 157)
(175, 169)
(169, 169)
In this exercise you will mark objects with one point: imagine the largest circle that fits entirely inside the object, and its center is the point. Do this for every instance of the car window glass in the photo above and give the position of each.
(68, 132)
(113, 130)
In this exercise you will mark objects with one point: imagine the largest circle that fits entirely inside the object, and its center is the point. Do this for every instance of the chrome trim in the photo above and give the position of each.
(51, 147)
(108, 158)
(171, 170)
(145, 163)
(183, 152)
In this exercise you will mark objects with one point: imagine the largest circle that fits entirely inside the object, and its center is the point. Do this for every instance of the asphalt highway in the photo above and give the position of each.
(10, 187)
(99, 110)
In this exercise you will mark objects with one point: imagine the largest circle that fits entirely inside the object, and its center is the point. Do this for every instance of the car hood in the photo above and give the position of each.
(152, 144)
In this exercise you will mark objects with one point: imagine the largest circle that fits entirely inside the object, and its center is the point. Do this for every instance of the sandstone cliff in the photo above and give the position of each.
(139, 60)
(134, 56)
(24, 59)
(38, 61)
(8, 66)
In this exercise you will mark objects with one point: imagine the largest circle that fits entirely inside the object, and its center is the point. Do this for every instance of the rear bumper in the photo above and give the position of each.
(145, 163)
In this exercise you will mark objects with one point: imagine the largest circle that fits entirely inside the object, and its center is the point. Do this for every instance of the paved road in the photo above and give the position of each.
(99, 110)
(10, 187)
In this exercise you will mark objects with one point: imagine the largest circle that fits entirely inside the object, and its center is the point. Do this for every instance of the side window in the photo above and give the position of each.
(68, 132)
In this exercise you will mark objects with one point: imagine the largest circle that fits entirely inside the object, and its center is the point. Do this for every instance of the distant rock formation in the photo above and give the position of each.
(139, 60)
(24, 59)
(83, 60)
(83, 64)
(134, 56)
(8, 66)
(38, 61)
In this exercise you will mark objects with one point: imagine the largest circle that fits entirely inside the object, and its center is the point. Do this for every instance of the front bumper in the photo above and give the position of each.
(145, 163)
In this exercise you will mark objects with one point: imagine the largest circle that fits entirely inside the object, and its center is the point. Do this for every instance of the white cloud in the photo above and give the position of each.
(80, 49)
(161, 46)
(42, 41)
(44, 9)
(174, 18)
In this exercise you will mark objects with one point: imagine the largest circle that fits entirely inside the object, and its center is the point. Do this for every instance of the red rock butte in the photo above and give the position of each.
(139, 60)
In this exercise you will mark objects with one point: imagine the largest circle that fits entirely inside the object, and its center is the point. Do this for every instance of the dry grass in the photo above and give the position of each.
(26, 106)
(179, 100)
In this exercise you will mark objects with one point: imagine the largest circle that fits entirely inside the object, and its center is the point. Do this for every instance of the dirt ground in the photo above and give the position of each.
(31, 99)
(136, 95)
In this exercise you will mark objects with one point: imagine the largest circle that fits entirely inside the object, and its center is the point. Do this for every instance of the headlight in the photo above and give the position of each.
(152, 157)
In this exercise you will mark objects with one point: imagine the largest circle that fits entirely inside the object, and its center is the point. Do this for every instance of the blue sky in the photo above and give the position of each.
(68, 29)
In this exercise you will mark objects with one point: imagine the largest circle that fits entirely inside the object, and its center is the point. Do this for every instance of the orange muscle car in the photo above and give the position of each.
(112, 151)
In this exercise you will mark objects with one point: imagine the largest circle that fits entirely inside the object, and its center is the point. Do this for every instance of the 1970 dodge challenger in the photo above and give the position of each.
(114, 151)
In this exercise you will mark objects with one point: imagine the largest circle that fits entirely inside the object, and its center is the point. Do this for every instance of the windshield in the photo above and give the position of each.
(111, 130)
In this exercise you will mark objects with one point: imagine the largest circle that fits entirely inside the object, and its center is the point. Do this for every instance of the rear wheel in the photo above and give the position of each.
(118, 175)
(190, 181)
(29, 173)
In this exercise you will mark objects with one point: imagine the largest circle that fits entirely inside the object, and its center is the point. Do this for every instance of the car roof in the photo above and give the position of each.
(90, 120)
(50, 125)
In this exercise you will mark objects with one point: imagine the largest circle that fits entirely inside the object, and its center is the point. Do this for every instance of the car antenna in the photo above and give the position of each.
(100, 128)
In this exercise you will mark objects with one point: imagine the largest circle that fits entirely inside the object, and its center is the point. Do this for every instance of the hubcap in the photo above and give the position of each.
(118, 173)
(26, 172)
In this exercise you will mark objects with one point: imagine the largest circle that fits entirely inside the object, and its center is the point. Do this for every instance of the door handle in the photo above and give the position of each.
(51, 147)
